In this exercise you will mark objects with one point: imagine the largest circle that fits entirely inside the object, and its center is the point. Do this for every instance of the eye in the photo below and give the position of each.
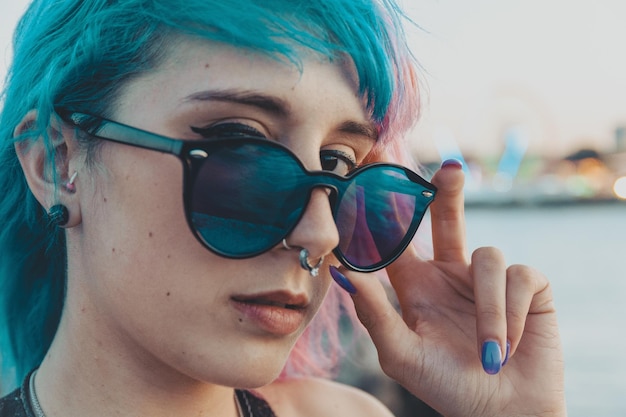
(227, 130)
(337, 161)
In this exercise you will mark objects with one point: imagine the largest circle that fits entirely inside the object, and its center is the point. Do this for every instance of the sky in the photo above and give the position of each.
(556, 68)
(552, 69)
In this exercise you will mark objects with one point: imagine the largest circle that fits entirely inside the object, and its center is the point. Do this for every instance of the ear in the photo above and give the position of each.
(49, 163)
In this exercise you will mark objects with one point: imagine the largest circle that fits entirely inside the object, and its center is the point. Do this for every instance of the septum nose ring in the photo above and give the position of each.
(304, 260)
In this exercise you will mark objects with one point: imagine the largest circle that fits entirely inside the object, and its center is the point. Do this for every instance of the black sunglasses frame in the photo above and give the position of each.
(192, 154)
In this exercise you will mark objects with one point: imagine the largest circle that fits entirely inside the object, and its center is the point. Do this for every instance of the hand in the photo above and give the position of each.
(452, 308)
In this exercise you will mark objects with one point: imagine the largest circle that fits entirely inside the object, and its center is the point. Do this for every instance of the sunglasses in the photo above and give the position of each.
(243, 195)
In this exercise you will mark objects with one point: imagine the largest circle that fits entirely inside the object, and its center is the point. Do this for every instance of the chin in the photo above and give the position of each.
(255, 376)
(250, 368)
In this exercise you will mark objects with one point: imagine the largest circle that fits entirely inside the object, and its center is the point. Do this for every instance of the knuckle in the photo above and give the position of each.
(516, 315)
(522, 274)
(490, 311)
(488, 257)
(527, 277)
(487, 268)
(520, 271)
(367, 321)
(373, 321)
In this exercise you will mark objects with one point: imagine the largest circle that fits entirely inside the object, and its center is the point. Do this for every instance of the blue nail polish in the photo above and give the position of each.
(341, 280)
(491, 357)
(508, 352)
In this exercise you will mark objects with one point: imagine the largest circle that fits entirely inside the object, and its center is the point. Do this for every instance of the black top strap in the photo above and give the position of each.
(252, 405)
(17, 403)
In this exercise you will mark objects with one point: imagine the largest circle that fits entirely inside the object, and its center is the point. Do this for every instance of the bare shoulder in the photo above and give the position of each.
(312, 397)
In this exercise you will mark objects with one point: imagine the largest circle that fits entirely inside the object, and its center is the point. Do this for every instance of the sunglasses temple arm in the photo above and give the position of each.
(120, 133)
(136, 137)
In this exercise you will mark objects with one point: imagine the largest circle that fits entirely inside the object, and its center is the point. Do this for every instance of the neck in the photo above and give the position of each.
(87, 380)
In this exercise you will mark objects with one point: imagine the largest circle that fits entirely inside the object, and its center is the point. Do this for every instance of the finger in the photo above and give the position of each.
(447, 214)
(390, 334)
(526, 290)
(404, 268)
(488, 271)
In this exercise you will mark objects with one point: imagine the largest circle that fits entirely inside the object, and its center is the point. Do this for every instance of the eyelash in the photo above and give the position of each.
(227, 130)
(339, 155)
(235, 130)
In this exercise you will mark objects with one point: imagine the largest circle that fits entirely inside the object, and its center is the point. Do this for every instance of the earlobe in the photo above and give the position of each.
(46, 163)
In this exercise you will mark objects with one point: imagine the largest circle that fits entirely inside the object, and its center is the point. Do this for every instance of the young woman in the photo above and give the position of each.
(183, 181)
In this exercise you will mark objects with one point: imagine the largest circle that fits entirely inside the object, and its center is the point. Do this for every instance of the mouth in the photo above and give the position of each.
(278, 313)
(280, 299)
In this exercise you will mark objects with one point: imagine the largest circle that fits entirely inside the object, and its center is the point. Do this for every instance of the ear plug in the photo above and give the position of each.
(58, 215)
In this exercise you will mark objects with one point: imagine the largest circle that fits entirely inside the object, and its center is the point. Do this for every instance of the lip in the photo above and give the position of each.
(280, 313)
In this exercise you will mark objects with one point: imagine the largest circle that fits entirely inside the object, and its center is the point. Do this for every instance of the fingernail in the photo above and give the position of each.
(491, 357)
(508, 351)
(452, 163)
(341, 280)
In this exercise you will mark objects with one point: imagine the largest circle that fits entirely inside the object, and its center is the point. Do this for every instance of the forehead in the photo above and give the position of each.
(186, 54)
(191, 66)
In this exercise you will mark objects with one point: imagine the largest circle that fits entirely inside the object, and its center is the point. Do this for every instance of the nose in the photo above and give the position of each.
(316, 230)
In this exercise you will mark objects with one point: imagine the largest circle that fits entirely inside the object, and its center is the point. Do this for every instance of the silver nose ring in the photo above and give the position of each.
(304, 260)
(304, 263)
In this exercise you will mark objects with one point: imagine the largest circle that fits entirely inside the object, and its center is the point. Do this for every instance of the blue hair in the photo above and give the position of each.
(80, 53)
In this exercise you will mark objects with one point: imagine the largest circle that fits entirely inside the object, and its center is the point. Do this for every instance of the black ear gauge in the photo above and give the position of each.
(58, 215)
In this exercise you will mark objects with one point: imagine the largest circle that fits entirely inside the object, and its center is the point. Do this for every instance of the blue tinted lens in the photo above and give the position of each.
(377, 216)
(245, 199)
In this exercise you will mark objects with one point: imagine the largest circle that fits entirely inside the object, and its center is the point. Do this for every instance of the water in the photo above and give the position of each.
(582, 250)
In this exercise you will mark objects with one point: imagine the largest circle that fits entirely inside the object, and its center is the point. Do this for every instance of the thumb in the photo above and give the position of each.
(394, 340)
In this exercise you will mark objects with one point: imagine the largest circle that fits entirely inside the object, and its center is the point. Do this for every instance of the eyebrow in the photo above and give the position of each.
(368, 130)
(275, 106)
(271, 104)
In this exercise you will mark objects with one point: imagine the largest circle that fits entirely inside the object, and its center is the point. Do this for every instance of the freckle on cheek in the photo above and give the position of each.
(150, 234)
(167, 294)
(113, 250)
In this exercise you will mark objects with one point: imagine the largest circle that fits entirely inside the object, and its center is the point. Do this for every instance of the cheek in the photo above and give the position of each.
(320, 288)
(143, 264)
(134, 224)
(142, 201)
